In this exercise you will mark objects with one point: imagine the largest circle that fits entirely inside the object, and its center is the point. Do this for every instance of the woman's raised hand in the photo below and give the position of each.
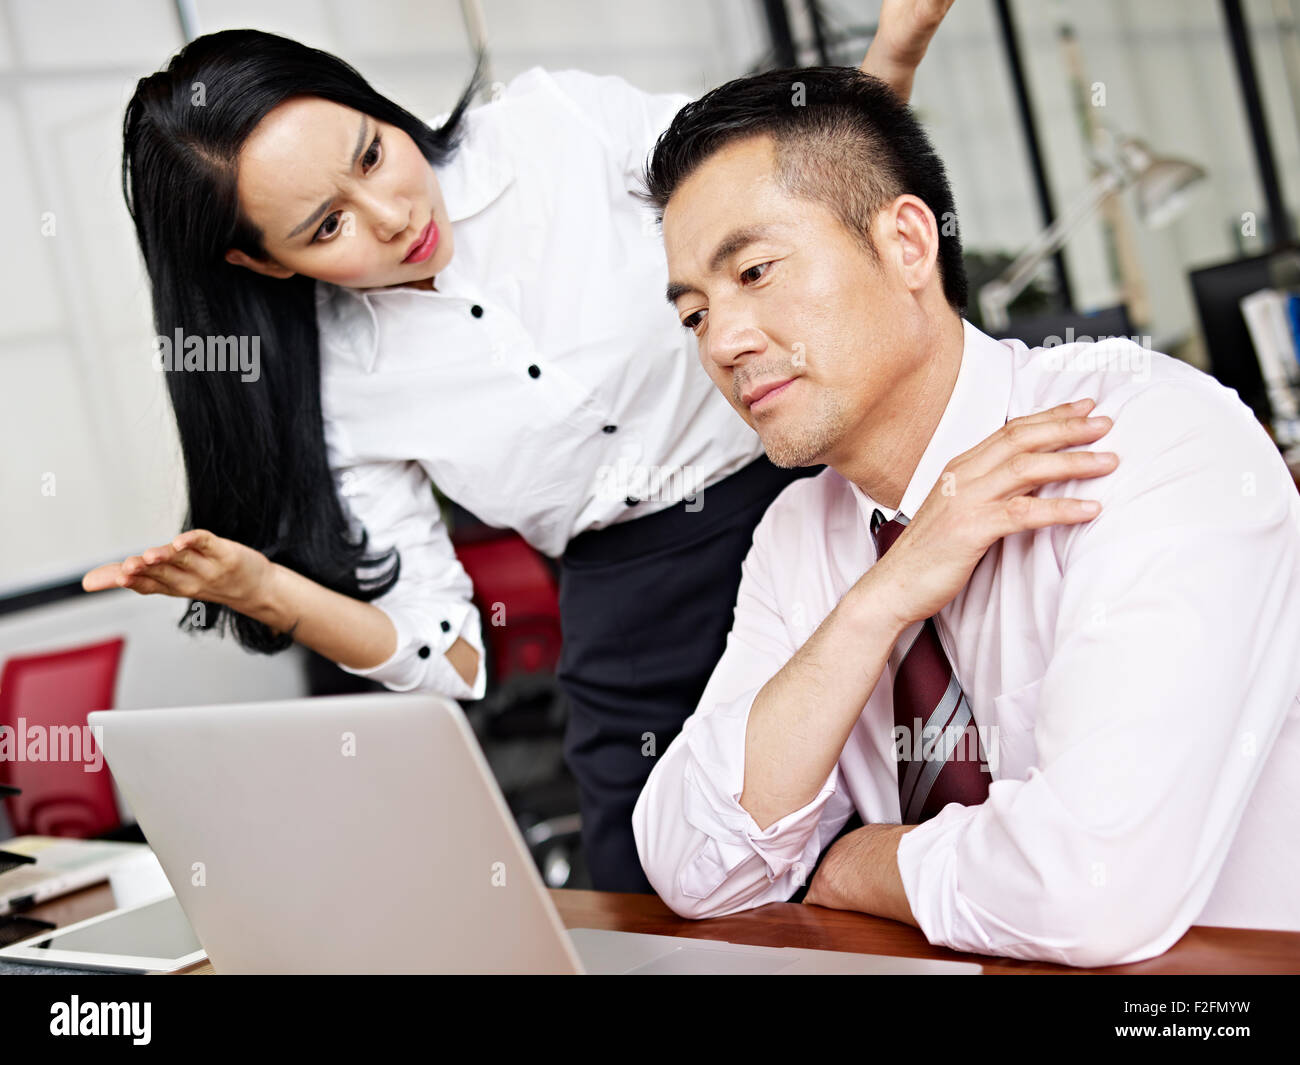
(904, 33)
(196, 565)
(983, 495)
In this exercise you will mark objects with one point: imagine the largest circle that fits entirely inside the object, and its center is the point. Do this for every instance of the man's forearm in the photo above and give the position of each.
(802, 717)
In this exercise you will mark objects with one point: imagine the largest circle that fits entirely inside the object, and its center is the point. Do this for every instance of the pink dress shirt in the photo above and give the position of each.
(1137, 678)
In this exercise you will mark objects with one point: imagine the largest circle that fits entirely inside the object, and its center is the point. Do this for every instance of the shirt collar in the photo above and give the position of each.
(472, 179)
(476, 174)
(980, 401)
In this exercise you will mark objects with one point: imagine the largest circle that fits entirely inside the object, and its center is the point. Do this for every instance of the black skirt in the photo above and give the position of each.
(645, 607)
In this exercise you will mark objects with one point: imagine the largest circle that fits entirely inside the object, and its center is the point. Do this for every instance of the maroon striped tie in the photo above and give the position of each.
(932, 711)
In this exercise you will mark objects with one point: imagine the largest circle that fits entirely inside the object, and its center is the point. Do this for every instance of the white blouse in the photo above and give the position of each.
(546, 386)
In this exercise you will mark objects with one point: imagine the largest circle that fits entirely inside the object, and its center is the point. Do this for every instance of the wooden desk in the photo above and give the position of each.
(785, 924)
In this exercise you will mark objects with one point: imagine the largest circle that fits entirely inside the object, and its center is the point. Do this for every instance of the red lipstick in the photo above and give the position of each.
(424, 245)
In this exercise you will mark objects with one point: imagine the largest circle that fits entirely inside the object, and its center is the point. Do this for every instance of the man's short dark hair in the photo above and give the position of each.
(843, 138)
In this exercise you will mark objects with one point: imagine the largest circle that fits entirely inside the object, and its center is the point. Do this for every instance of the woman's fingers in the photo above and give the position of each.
(204, 553)
(133, 565)
(181, 567)
(158, 555)
(199, 540)
(116, 574)
(102, 577)
(163, 578)
(199, 567)
(176, 580)
(196, 564)
(144, 585)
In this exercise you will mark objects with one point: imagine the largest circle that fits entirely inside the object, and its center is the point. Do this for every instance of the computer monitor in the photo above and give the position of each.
(1065, 327)
(1218, 291)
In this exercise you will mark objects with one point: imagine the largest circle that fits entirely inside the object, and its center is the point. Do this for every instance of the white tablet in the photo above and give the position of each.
(149, 937)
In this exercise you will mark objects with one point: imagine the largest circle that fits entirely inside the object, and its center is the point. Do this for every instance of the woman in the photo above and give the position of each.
(479, 304)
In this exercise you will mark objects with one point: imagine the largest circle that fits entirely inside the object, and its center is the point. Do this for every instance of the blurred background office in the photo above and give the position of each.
(1119, 168)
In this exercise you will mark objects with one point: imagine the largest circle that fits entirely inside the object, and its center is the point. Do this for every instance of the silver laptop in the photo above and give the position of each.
(366, 834)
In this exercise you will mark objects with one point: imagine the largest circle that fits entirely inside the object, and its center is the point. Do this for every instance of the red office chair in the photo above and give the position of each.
(49, 691)
(518, 604)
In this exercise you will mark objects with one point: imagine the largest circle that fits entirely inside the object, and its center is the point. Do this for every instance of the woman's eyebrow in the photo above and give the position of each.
(356, 154)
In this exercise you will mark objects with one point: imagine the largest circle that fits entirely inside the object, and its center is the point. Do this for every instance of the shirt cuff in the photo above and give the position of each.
(419, 662)
(927, 864)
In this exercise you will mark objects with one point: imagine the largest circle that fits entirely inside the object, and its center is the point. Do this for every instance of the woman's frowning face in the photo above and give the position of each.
(341, 197)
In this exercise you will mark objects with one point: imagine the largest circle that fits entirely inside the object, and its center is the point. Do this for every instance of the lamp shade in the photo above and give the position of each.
(1164, 184)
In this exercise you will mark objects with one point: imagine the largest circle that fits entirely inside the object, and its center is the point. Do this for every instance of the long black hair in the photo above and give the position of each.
(254, 450)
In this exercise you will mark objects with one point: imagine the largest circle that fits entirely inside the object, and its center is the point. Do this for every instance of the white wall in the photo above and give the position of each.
(81, 411)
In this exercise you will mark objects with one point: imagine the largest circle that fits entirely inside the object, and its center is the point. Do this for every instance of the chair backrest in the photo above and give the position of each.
(48, 750)
(518, 603)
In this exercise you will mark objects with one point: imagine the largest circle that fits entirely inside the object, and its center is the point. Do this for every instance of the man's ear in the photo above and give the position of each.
(269, 267)
(915, 236)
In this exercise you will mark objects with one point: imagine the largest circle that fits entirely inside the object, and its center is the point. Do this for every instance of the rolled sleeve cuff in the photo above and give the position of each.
(713, 783)
(424, 634)
(927, 865)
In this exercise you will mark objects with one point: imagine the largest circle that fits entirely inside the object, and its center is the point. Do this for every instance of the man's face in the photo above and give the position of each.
(342, 197)
(797, 323)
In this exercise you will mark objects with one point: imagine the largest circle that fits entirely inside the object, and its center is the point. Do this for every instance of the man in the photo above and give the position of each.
(1122, 688)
